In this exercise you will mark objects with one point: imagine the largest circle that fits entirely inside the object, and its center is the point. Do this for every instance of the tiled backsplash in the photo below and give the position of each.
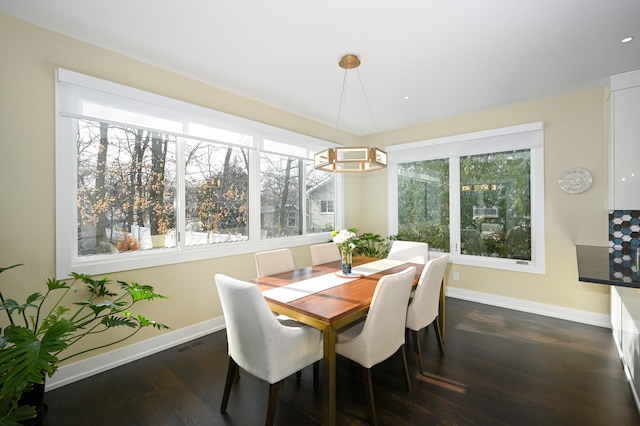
(624, 242)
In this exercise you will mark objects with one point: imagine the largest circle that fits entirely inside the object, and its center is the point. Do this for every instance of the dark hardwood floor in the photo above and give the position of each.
(501, 367)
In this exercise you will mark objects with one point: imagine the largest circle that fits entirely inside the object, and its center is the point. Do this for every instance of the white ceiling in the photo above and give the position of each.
(451, 56)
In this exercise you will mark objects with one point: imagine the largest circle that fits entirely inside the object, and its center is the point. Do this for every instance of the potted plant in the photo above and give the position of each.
(372, 245)
(40, 330)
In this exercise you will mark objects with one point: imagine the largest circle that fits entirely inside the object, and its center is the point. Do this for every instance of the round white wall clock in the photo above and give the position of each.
(575, 181)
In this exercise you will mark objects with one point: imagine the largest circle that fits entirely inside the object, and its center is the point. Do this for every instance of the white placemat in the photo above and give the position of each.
(377, 266)
(303, 288)
(290, 292)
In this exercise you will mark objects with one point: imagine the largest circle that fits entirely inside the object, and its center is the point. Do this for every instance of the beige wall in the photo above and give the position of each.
(574, 136)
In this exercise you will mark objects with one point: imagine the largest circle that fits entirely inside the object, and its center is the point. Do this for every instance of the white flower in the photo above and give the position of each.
(344, 239)
(343, 236)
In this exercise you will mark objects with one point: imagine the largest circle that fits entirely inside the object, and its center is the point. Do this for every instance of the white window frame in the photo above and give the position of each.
(73, 88)
(526, 136)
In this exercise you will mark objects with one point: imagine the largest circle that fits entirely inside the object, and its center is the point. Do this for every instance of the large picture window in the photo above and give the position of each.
(479, 197)
(143, 180)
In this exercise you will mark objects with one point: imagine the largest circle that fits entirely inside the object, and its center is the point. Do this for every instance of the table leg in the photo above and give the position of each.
(329, 372)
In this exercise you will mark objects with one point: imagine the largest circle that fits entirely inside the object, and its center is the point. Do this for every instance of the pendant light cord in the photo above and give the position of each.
(344, 88)
(366, 99)
(342, 101)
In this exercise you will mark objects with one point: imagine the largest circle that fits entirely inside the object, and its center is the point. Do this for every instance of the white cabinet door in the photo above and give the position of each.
(625, 321)
(625, 133)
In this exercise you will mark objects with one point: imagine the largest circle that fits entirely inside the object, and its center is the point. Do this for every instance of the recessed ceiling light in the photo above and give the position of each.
(406, 98)
(626, 40)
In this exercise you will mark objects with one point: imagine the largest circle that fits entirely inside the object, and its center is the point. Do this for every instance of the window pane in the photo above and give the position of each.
(280, 198)
(495, 207)
(320, 196)
(423, 203)
(126, 189)
(216, 193)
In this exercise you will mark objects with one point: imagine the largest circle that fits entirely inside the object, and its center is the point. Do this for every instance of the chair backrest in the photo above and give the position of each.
(257, 341)
(423, 309)
(410, 251)
(324, 253)
(383, 330)
(274, 262)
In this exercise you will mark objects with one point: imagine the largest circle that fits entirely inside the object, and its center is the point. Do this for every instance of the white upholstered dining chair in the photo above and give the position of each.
(260, 344)
(274, 262)
(381, 334)
(423, 309)
(324, 253)
(410, 251)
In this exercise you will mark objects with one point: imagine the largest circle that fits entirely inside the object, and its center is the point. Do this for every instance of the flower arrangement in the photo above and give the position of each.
(345, 239)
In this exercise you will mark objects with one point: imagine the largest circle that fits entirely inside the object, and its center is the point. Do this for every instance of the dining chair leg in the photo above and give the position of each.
(316, 376)
(237, 374)
(271, 406)
(368, 388)
(417, 350)
(438, 335)
(231, 373)
(407, 378)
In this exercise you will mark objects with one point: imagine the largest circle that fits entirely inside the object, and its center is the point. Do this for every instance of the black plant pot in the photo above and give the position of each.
(35, 398)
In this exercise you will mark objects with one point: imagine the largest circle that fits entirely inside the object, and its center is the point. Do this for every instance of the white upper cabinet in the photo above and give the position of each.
(625, 141)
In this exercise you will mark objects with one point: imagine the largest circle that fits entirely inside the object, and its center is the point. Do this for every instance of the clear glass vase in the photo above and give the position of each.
(346, 257)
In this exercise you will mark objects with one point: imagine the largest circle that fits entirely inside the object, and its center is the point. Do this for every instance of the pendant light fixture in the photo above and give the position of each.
(350, 159)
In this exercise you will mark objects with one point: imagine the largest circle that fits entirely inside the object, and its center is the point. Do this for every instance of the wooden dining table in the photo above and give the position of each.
(330, 310)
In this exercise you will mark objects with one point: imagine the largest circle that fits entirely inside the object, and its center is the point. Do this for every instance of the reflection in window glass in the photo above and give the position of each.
(126, 189)
(423, 203)
(495, 207)
(216, 192)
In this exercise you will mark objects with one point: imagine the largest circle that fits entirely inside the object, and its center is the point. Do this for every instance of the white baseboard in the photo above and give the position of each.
(82, 369)
(585, 317)
(86, 368)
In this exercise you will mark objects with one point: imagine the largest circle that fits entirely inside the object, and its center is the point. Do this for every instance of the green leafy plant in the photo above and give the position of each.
(372, 245)
(436, 235)
(367, 244)
(42, 328)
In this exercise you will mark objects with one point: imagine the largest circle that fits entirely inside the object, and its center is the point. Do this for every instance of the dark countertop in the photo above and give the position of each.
(604, 265)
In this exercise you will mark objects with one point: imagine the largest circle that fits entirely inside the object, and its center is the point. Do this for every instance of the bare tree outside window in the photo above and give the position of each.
(126, 188)
(280, 178)
(217, 193)
(144, 180)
